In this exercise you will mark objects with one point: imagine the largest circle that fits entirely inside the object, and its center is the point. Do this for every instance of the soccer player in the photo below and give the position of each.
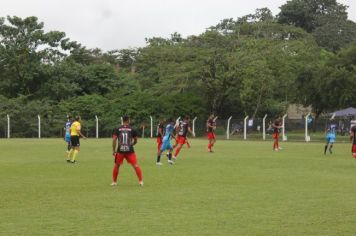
(75, 133)
(127, 138)
(166, 145)
(182, 132)
(160, 133)
(353, 139)
(67, 135)
(330, 137)
(210, 128)
(276, 125)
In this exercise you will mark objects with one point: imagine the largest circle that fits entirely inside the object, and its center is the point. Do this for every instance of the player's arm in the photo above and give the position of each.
(134, 137)
(160, 131)
(114, 138)
(352, 136)
(190, 131)
(80, 133)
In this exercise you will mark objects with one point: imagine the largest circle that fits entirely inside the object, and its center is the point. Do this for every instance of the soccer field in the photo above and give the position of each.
(244, 188)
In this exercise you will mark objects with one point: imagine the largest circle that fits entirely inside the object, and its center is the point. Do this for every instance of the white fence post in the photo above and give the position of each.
(151, 126)
(97, 126)
(228, 128)
(122, 122)
(143, 131)
(307, 137)
(177, 122)
(245, 127)
(8, 126)
(195, 118)
(284, 138)
(264, 127)
(39, 126)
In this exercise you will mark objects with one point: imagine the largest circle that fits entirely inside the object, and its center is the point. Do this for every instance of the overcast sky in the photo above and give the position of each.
(117, 24)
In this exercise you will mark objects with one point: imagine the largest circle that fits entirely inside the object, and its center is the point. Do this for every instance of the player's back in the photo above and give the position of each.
(168, 132)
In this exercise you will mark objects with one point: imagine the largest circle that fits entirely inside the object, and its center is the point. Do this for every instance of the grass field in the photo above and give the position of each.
(244, 188)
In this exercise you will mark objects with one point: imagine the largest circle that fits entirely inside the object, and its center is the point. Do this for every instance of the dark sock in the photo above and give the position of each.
(170, 156)
(325, 148)
(158, 158)
(331, 146)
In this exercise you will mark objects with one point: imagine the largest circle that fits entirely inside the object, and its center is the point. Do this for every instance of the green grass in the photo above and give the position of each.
(244, 188)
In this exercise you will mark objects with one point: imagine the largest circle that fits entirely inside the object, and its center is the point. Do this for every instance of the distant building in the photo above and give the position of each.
(297, 111)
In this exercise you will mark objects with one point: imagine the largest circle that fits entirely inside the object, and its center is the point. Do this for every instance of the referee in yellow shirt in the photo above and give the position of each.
(74, 139)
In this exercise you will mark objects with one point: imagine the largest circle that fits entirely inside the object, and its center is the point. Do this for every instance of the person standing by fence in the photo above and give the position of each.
(210, 128)
(330, 137)
(276, 125)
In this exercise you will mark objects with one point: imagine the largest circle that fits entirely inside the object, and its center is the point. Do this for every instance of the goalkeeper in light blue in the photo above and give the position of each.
(330, 137)
(166, 145)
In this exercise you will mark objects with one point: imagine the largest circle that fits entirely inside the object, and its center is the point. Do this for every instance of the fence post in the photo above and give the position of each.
(195, 118)
(177, 122)
(307, 137)
(284, 138)
(228, 128)
(143, 131)
(264, 127)
(151, 126)
(39, 126)
(8, 126)
(245, 127)
(122, 122)
(97, 126)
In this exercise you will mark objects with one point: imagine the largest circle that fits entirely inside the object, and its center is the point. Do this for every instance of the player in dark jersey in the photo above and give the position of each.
(160, 134)
(276, 125)
(126, 138)
(353, 139)
(210, 128)
(182, 131)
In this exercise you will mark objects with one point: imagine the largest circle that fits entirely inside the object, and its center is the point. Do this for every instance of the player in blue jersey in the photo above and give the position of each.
(67, 126)
(166, 142)
(330, 137)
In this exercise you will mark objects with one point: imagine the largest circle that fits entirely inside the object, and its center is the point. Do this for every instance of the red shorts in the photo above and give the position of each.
(181, 139)
(353, 148)
(159, 143)
(211, 135)
(275, 135)
(130, 158)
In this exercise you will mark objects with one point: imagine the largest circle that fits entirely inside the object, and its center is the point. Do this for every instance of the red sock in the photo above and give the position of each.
(115, 173)
(177, 151)
(138, 173)
(209, 146)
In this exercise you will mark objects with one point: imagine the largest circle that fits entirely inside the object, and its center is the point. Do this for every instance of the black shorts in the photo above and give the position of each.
(74, 140)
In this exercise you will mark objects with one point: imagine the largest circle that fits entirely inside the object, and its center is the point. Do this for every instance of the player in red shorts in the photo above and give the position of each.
(210, 128)
(353, 139)
(160, 134)
(182, 131)
(277, 124)
(127, 138)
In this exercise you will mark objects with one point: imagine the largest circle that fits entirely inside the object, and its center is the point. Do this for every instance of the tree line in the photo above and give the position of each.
(253, 65)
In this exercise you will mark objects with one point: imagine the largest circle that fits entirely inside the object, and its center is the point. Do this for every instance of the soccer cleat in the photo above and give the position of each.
(73, 162)
(174, 158)
(68, 160)
(276, 149)
(113, 184)
(159, 163)
(331, 152)
(280, 148)
(141, 183)
(170, 162)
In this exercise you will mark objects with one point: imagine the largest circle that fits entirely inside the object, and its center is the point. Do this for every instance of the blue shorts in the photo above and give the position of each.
(67, 138)
(330, 138)
(166, 145)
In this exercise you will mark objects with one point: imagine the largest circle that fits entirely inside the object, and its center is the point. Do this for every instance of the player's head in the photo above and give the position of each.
(211, 116)
(69, 118)
(170, 120)
(186, 118)
(77, 118)
(126, 119)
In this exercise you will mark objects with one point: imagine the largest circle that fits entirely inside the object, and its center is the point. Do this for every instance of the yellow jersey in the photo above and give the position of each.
(75, 128)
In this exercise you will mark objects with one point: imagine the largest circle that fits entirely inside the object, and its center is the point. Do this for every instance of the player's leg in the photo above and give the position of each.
(132, 159)
(331, 146)
(115, 172)
(163, 148)
(327, 144)
(180, 142)
(353, 150)
(187, 142)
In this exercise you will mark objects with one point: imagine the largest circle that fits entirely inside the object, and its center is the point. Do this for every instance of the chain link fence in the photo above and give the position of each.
(239, 129)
